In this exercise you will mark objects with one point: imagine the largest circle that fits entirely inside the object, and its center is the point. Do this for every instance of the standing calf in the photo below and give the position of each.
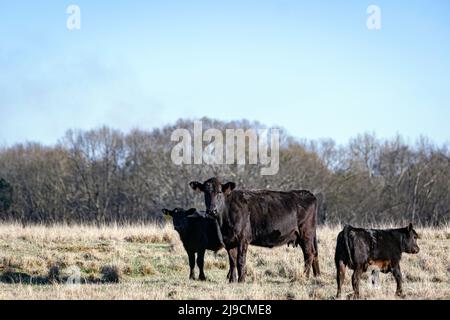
(358, 248)
(198, 234)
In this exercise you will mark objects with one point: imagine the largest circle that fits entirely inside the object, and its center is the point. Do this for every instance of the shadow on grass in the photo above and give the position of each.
(14, 277)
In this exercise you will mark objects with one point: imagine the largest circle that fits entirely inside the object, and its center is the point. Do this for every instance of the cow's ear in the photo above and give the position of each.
(228, 187)
(190, 211)
(196, 186)
(166, 212)
(410, 227)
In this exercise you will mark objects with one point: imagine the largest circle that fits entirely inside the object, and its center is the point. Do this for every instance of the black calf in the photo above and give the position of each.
(198, 234)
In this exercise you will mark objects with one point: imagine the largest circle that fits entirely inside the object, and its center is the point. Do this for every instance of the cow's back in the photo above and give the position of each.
(269, 218)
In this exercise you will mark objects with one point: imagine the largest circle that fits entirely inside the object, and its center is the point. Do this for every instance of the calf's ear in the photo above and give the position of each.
(166, 212)
(228, 187)
(196, 186)
(410, 227)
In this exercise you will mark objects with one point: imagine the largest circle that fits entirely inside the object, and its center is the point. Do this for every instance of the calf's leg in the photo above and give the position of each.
(191, 255)
(340, 276)
(355, 281)
(201, 263)
(398, 278)
(375, 278)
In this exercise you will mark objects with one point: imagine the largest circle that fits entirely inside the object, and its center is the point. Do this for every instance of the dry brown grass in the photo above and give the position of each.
(150, 263)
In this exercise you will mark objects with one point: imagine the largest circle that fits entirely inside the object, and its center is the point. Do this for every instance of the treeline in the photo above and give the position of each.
(104, 176)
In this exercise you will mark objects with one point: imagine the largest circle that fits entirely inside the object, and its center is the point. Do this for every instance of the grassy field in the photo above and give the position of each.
(150, 262)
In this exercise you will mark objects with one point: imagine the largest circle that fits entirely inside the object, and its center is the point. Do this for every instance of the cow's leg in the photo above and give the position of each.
(229, 270)
(232, 256)
(315, 266)
(241, 259)
(201, 263)
(340, 276)
(308, 254)
(398, 278)
(191, 255)
(355, 282)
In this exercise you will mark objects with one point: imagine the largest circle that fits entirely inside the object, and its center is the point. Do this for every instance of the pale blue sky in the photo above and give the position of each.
(311, 67)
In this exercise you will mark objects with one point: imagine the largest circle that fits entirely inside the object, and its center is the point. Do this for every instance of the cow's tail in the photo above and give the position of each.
(347, 229)
(315, 232)
(315, 245)
(316, 267)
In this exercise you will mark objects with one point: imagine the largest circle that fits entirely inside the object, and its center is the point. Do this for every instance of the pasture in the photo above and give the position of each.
(149, 262)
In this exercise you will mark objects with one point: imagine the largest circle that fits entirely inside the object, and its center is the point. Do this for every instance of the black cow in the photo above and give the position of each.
(358, 248)
(262, 218)
(198, 234)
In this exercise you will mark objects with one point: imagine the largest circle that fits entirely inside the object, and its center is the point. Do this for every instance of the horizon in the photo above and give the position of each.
(314, 70)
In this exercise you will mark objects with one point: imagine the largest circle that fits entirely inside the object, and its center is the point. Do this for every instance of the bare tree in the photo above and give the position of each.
(103, 176)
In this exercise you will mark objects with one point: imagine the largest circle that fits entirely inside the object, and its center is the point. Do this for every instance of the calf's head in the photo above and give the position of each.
(214, 192)
(179, 217)
(409, 240)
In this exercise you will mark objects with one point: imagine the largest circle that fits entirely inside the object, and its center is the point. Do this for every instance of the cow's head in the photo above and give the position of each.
(410, 240)
(180, 217)
(214, 192)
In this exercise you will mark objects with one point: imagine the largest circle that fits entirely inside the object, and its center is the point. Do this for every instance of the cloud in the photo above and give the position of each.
(46, 96)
